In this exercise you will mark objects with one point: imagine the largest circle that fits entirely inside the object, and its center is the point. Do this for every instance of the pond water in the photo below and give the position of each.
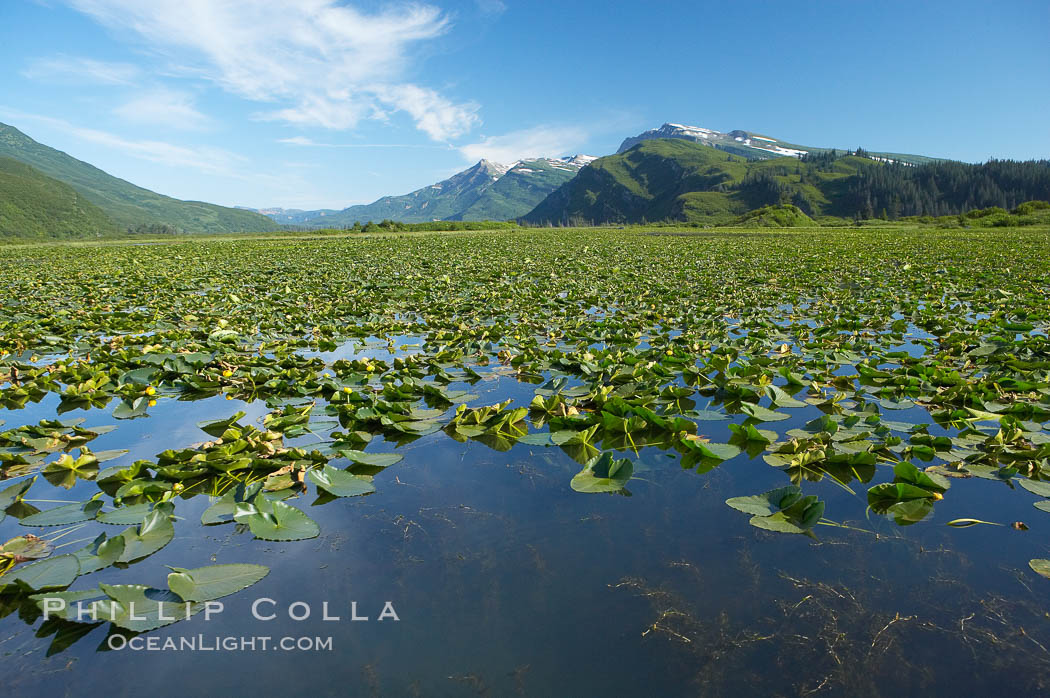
(505, 581)
(900, 381)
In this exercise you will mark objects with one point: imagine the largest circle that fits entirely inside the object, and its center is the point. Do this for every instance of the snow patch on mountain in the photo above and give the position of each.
(761, 146)
(569, 163)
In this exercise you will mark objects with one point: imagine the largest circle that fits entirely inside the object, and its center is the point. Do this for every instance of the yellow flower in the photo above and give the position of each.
(152, 403)
(227, 373)
(347, 389)
(151, 390)
(229, 397)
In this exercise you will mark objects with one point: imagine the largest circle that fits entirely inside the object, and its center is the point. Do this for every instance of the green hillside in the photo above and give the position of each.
(127, 205)
(678, 180)
(35, 206)
(654, 180)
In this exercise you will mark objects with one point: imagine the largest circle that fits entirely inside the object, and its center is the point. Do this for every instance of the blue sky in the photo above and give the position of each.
(324, 103)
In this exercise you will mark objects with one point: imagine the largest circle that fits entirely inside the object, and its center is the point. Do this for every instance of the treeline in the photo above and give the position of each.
(946, 188)
(164, 229)
(429, 226)
(154, 229)
(895, 190)
(1027, 213)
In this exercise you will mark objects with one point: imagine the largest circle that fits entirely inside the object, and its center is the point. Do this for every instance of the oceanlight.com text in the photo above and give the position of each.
(216, 643)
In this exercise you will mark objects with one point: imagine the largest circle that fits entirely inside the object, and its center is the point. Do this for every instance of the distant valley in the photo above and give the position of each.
(674, 173)
(486, 191)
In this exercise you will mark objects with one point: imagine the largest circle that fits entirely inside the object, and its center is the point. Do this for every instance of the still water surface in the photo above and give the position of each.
(507, 582)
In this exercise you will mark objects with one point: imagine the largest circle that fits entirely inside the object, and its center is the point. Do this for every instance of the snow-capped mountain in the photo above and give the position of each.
(486, 191)
(751, 145)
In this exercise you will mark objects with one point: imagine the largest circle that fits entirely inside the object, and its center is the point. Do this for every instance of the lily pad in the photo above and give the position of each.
(65, 515)
(379, 460)
(762, 414)
(603, 474)
(783, 510)
(1038, 487)
(155, 531)
(50, 573)
(12, 494)
(27, 547)
(139, 608)
(99, 553)
(276, 521)
(341, 483)
(215, 581)
(768, 503)
(128, 515)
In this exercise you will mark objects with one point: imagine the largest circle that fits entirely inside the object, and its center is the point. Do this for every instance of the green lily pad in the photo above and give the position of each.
(762, 414)
(50, 573)
(768, 503)
(132, 409)
(783, 510)
(276, 521)
(714, 451)
(139, 608)
(99, 553)
(1038, 487)
(214, 581)
(155, 531)
(341, 483)
(28, 547)
(12, 494)
(379, 460)
(127, 515)
(218, 427)
(64, 515)
(603, 474)
(226, 506)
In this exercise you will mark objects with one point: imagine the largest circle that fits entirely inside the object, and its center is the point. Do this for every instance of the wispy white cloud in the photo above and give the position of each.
(540, 141)
(207, 159)
(163, 107)
(303, 141)
(310, 143)
(491, 7)
(66, 69)
(204, 158)
(324, 63)
(434, 115)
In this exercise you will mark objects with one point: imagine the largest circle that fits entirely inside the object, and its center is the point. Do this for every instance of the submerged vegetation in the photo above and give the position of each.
(872, 363)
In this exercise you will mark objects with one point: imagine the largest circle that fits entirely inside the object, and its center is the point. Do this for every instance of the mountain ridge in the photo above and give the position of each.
(126, 204)
(485, 191)
(674, 179)
(750, 145)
